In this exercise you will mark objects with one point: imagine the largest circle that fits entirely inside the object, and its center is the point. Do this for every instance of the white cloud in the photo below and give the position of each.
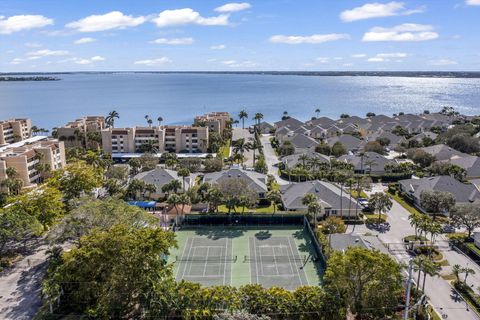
(17, 61)
(97, 58)
(316, 38)
(233, 7)
(153, 62)
(322, 60)
(174, 41)
(347, 64)
(472, 2)
(403, 32)
(359, 55)
(47, 53)
(186, 16)
(442, 62)
(338, 58)
(386, 57)
(22, 22)
(33, 45)
(84, 40)
(218, 47)
(239, 64)
(377, 10)
(108, 21)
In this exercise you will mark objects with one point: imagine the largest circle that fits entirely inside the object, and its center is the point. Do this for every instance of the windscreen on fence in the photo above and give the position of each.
(241, 220)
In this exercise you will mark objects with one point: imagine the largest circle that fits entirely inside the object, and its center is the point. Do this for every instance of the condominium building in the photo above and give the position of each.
(26, 156)
(215, 121)
(75, 133)
(15, 130)
(178, 139)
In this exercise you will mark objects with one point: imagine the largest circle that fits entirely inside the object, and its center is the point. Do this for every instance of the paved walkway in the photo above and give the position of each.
(20, 286)
(271, 159)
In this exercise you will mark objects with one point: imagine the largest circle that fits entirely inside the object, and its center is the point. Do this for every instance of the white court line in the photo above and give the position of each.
(225, 263)
(296, 268)
(189, 250)
(275, 260)
(182, 264)
(256, 260)
(206, 261)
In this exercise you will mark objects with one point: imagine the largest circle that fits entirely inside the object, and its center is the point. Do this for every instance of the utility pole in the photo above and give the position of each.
(409, 287)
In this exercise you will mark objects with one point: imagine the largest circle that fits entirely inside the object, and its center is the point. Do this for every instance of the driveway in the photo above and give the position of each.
(439, 291)
(271, 159)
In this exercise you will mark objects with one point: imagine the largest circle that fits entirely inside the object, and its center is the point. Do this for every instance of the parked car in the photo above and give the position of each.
(448, 228)
(363, 202)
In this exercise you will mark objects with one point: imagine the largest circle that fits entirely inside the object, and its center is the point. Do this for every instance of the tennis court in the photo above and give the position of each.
(270, 256)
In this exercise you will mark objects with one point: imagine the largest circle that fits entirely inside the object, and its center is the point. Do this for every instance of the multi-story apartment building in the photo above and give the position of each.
(179, 139)
(215, 121)
(75, 133)
(26, 156)
(15, 130)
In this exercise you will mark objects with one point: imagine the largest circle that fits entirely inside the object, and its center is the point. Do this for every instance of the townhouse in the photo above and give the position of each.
(14, 130)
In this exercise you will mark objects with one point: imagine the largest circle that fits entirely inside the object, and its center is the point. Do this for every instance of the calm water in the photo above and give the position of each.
(178, 97)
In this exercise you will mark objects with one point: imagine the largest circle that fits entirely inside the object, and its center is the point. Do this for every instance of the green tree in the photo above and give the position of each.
(421, 157)
(466, 216)
(16, 225)
(242, 116)
(374, 146)
(110, 274)
(338, 149)
(275, 198)
(214, 198)
(313, 206)
(380, 202)
(76, 179)
(436, 202)
(286, 149)
(323, 148)
(236, 191)
(240, 147)
(110, 119)
(184, 173)
(369, 283)
(135, 165)
(333, 225)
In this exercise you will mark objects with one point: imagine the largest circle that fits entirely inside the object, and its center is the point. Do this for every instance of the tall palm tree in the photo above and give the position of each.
(275, 197)
(254, 145)
(242, 116)
(159, 119)
(314, 207)
(240, 147)
(304, 158)
(380, 202)
(147, 118)
(258, 117)
(183, 172)
(317, 112)
(110, 119)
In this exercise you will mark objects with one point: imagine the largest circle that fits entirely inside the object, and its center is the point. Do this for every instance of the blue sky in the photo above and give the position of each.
(102, 35)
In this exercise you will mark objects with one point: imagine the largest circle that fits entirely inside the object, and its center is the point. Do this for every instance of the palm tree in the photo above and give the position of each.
(174, 200)
(159, 119)
(432, 269)
(184, 200)
(258, 117)
(275, 197)
(456, 270)
(254, 145)
(380, 202)
(240, 147)
(110, 119)
(285, 115)
(314, 207)
(242, 116)
(317, 111)
(175, 185)
(149, 121)
(467, 272)
(183, 172)
(214, 198)
(304, 158)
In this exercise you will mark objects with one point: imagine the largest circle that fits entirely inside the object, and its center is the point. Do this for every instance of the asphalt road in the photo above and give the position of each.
(271, 159)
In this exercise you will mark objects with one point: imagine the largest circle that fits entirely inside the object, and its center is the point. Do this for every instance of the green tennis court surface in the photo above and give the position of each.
(270, 256)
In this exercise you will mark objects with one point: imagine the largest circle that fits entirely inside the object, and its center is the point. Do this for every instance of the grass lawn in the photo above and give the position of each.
(224, 151)
(473, 248)
(362, 194)
(448, 277)
(413, 238)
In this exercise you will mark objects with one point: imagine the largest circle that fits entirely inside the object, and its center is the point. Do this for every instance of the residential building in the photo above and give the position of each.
(471, 164)
(215, 121)
(303, 143)
(160, 177)
(76, 133)
(178, 139)
(290, 123)
(15, 130)
(334, 200)
(26, 156)
(369, 162)
(351, 143)
(264, 127)
(256, 181)
(443, 152)
(462, 192)
(476, 239)
(294, 160)
(393, 139)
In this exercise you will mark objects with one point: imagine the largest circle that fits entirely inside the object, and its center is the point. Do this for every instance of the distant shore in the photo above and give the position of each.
(36, 78)
(407, 74)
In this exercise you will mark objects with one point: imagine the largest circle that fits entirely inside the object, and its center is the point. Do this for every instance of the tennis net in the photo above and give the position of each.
(206, 259)
(267, 259)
